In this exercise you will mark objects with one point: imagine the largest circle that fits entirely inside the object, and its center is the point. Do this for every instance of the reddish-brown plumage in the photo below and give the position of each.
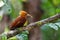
(20, 20)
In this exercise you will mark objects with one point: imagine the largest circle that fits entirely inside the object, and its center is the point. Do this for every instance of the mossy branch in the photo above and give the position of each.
(32, 25)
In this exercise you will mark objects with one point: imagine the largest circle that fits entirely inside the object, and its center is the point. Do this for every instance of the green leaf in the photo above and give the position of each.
(56, 2)
(52, 25)
(58, 24)
(47, 32)
(51, 31)
(13, 38)
(23, 35)
(3, 37)
(49, 9)
(57, 10)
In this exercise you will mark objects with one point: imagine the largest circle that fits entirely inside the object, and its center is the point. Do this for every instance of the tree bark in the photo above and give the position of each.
(4, 22)
(33, 8)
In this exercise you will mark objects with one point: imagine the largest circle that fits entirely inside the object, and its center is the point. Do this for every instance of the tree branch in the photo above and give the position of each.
(32, 25)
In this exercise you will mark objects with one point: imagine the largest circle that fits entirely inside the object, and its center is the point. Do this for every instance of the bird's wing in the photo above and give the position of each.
(19, 22)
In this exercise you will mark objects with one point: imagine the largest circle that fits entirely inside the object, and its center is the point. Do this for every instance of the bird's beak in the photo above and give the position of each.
(29, 15)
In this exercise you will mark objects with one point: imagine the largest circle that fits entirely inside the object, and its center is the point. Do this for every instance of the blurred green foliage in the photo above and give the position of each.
(50, 31)
(56, 2)
(50, 7)
(3, 37)
(12, 7)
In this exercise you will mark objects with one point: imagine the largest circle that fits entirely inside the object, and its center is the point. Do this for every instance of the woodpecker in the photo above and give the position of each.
(20, 20)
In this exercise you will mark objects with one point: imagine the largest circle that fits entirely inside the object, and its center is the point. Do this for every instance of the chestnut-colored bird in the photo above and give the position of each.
(20, 20)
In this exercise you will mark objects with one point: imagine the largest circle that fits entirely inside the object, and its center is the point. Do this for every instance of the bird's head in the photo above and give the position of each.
(24, 13)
